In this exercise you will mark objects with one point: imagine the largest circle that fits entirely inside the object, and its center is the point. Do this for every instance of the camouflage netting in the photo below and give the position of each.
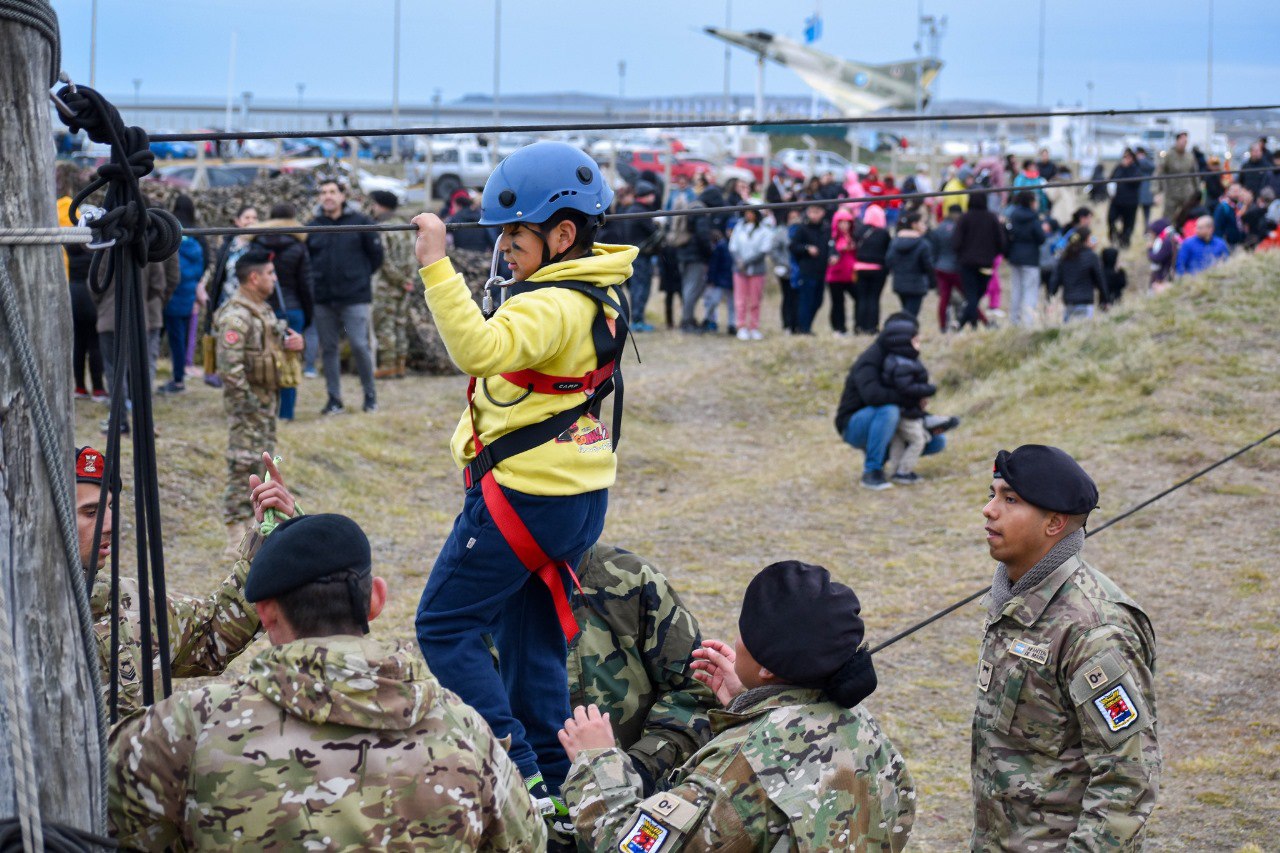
(217, 206)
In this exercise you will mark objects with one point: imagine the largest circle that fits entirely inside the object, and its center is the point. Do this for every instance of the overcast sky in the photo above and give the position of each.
(1149, 53)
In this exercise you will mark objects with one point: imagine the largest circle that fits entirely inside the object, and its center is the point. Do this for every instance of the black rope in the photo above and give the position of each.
(39, 16)
(135, 235)
(217, 136)
(221, 230)
(1121, 517)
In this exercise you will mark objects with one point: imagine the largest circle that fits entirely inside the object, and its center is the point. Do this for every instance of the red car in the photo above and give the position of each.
(755, 165)
(656, 161)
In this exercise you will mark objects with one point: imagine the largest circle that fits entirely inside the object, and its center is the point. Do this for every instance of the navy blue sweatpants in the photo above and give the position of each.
(479, 587)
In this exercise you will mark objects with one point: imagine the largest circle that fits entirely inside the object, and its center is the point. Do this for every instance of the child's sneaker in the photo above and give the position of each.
(908, 479)
(938, 424)
(744, 335)
(101, 397)
(82, 394)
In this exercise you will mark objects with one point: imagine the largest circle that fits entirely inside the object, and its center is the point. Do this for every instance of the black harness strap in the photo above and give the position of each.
(609, 345)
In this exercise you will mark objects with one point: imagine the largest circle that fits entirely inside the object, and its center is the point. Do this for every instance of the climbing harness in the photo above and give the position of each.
(609, 336)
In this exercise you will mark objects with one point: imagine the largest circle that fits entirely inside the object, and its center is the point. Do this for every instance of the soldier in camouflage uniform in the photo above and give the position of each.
(1065, 754)
(632, 659)
(251, 343)
(797, 762)
(204, 634)
(332, 741)
(393, 286)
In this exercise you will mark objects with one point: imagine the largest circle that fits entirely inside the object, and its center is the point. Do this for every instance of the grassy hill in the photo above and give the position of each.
(730, 461)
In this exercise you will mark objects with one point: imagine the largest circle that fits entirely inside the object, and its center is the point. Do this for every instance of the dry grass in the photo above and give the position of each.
(730, 461)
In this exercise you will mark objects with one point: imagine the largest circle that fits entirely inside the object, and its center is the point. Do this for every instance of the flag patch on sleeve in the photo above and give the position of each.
(646, 835)
(1116, 708)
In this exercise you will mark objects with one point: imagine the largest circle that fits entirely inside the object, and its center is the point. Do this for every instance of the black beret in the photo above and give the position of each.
(306, 549)
(1048, 478)
(798, 623)
(385, 199)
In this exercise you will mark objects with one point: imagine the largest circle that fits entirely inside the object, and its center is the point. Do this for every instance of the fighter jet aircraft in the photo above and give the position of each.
(854, 87)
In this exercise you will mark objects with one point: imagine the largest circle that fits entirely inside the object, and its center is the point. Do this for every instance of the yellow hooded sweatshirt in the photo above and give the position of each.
(547, 329)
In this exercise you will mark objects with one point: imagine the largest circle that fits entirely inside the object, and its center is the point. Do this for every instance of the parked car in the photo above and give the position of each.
(755, 165)
(218, 175)
(455, 163)
(819, 161)
(173, 150)
(366, 180)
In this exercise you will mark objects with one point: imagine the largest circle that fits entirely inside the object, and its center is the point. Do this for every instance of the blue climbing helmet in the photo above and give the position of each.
(540, 179)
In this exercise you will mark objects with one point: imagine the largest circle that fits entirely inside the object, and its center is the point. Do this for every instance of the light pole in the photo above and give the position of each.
(728, 15)
(245, 98)
(137, 89)
(302, 87)
(497, 75)
(395, 86)
(1209, 82)
(622, 79)
(93, 46)
(1040, 62)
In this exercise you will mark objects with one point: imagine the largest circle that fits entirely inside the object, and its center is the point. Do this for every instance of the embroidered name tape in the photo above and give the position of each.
(1023, 649)
(646, 835)
(1116, 708)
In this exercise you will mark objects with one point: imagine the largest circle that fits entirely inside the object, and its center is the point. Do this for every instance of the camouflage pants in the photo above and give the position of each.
(252, 430)
(391, 326)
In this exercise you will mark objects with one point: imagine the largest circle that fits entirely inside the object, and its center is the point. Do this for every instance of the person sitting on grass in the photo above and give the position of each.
(798, 758)
(1202, 250)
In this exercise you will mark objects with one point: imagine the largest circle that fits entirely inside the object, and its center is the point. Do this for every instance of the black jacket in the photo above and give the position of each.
(979, 237)
(872, 243)
(474, 239)
(809, 234)
(343, 264)
(1078, 278)
(904, 373)
(1126, 193)
(864, 386)
(697, 248)
(1025, 237)
(293, 272)
(910, 259)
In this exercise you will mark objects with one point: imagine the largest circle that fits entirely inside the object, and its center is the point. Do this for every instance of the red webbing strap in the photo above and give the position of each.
(530, 554)
(545, 383)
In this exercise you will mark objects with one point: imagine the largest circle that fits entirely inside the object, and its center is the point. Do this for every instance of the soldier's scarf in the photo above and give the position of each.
(1001, 590)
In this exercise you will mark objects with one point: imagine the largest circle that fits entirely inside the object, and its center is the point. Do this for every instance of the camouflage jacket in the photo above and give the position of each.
(1065, 754)
(330, 743)
(205, 634)
(793, 772)
(250, 342)
(632, 660)
(399, 265)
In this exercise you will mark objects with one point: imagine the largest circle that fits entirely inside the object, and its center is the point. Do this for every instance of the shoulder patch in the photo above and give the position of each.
(645, 835)
(1117, 709)
(232, 337)
(675, 811)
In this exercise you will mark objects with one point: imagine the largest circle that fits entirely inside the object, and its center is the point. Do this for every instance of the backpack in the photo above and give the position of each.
(680, 229)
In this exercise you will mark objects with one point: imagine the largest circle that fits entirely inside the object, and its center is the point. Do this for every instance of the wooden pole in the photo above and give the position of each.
(56, 680)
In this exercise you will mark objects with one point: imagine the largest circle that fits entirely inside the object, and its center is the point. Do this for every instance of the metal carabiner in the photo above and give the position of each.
(88, 216)
(61, 104)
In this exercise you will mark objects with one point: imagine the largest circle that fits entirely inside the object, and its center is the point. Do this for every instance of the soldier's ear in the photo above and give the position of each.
(767, 677)
(377, 597)
(1056, 523)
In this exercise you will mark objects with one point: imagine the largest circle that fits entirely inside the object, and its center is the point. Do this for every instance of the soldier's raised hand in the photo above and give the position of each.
(713, 665)
(586, 729)
(293, 341)
(431, 243)
(270, 494)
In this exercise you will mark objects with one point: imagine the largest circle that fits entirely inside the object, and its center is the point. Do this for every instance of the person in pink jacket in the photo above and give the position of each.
(840, 271)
